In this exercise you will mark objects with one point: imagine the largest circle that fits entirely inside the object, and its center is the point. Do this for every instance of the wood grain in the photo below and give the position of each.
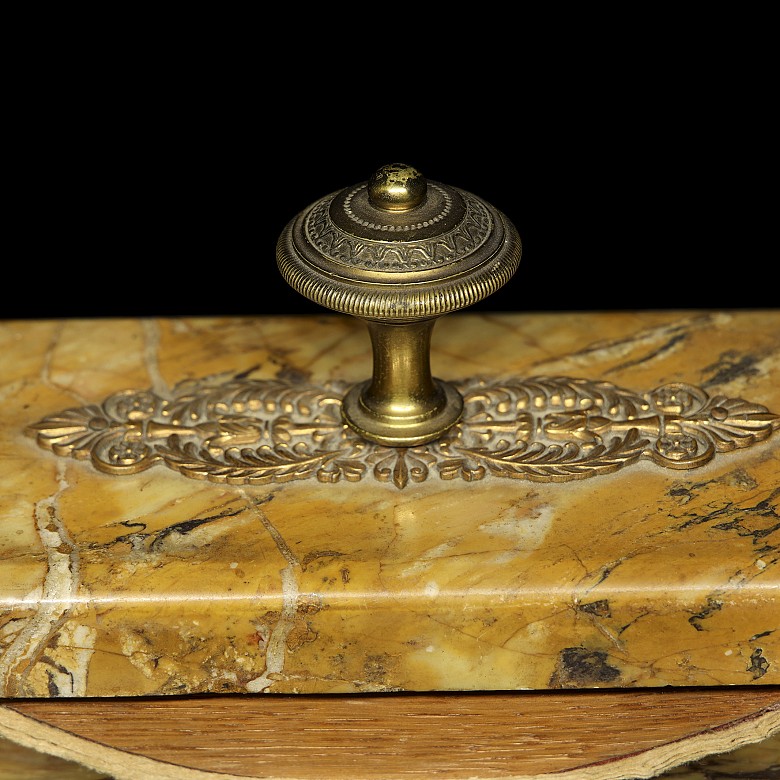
(19, 763)
(414, 736)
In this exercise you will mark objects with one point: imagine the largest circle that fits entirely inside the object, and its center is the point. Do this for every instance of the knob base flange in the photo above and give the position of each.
(400, 431)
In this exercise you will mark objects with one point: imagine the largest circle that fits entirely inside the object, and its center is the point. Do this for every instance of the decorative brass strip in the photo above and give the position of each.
(548, 429)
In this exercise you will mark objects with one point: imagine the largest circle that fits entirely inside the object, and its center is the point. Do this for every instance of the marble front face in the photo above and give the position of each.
(373, 573)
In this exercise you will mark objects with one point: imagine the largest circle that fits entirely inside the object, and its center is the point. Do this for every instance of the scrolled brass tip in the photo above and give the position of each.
(397, 187)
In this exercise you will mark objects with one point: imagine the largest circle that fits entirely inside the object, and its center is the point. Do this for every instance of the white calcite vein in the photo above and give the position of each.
(275, 651)
(58, 591)
(75, 647)
(276, 646)
(151, 358)
(46, 372)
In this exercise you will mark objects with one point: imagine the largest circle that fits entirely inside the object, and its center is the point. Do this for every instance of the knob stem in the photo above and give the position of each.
(402, 405)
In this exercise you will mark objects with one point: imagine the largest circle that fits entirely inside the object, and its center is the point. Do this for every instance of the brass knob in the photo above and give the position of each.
(398, 251)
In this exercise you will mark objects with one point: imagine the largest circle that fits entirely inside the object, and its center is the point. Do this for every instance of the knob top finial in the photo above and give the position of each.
(397, 187)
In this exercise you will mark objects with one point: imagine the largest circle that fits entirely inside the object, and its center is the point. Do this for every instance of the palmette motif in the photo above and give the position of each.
(257, 431)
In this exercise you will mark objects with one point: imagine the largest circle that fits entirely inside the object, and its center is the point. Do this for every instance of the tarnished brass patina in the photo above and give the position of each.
(543, 429)
(398, 252)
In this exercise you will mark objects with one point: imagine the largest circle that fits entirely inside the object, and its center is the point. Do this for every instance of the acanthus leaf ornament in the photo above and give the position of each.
(258, 431)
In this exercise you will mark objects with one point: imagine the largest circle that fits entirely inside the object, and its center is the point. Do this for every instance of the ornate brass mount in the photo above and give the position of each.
(242, 431)
(398, 252)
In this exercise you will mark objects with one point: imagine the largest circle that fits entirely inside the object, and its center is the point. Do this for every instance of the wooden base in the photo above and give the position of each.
(587, 735)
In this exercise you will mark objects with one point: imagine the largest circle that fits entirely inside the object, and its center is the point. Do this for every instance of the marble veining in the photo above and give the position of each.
(142, 581)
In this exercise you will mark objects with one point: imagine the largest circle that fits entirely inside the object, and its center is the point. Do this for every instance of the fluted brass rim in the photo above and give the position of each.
(379, 294)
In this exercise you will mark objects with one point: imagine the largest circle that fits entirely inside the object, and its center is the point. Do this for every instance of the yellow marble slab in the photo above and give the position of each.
(381, 570)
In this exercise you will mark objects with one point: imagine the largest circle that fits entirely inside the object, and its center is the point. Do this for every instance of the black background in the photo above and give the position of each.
(161, 191)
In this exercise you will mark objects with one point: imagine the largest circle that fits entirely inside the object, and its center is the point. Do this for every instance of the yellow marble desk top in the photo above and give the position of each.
(275, 554)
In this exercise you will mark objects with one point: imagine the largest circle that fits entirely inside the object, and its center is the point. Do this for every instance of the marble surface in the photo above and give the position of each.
(379, 572)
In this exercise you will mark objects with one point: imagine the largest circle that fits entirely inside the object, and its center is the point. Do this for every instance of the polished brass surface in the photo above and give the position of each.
(542, 429)
(402, 405)
(398, 252)
(397, 188)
